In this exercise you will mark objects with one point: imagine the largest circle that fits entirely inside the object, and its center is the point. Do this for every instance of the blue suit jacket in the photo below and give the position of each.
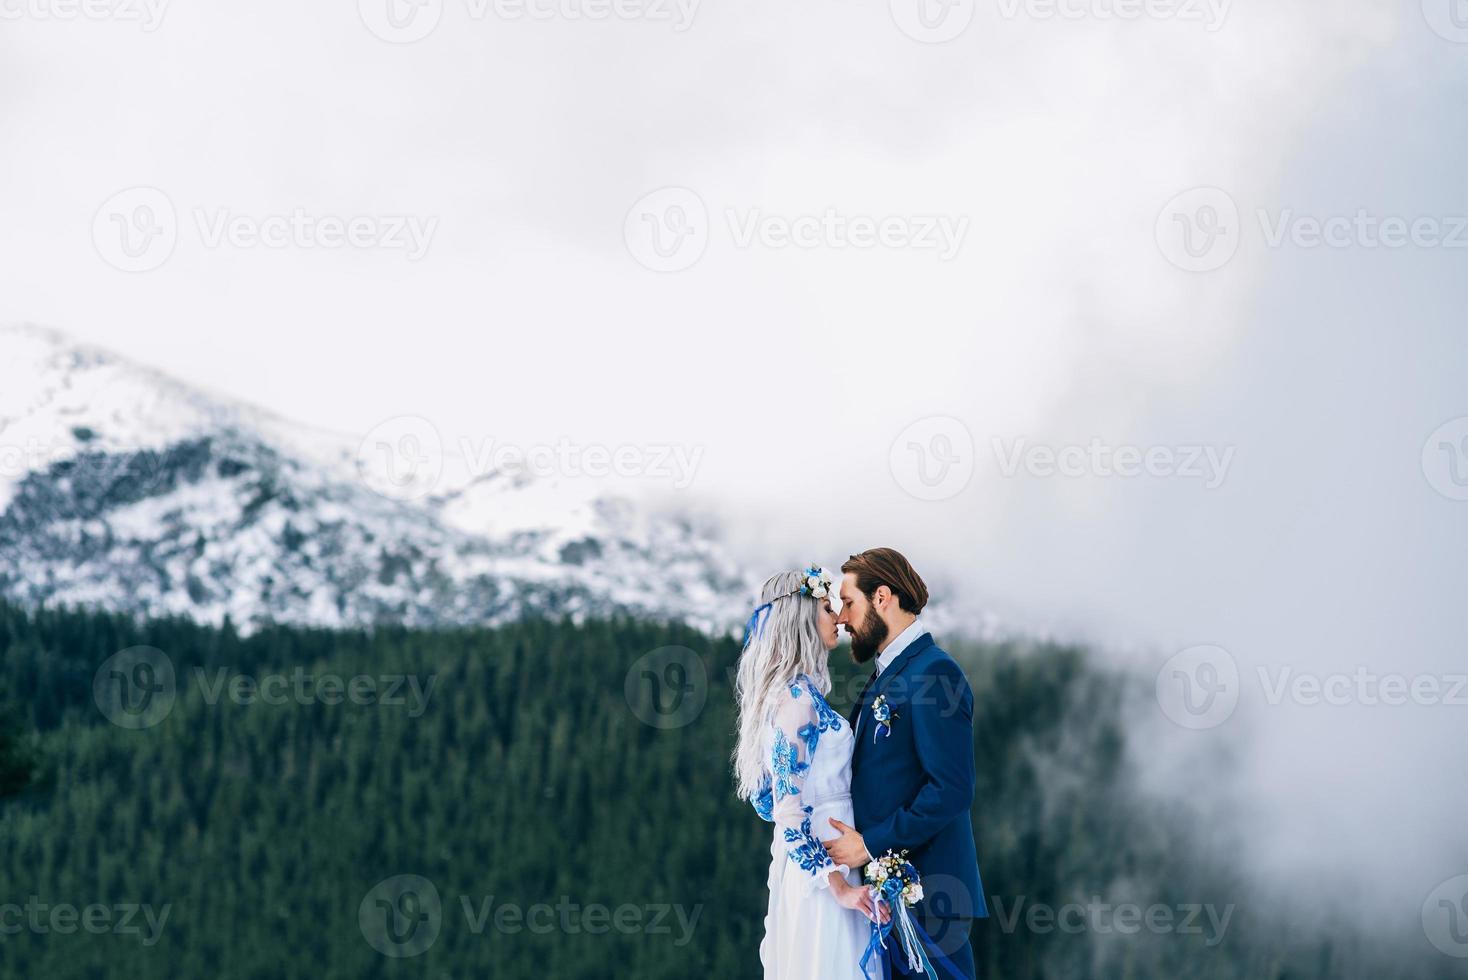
(913, 786)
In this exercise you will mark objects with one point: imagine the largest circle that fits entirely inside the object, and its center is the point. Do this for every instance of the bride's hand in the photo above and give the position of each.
(856, 897)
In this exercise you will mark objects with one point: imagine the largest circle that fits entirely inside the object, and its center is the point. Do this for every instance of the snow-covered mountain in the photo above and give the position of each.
(124, 489)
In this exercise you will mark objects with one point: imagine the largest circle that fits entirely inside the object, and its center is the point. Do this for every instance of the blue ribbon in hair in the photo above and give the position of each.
(756, 623)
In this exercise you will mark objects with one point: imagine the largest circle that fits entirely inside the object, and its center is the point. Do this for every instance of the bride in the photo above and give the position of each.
(793, 763)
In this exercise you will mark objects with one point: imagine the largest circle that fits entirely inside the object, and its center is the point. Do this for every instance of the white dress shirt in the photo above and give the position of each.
(899, 643)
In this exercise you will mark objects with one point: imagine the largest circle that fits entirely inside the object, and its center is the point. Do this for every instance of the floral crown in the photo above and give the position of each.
(816, 584)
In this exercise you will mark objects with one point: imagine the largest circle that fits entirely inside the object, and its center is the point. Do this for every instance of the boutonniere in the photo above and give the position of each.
(883, 715)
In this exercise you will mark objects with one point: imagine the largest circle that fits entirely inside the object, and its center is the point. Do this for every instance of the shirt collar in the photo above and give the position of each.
(899, 643)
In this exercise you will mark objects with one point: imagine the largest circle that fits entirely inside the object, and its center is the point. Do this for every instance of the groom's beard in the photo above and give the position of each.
(865, 641)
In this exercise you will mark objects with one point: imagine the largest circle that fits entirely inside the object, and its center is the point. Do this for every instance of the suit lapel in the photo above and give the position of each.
(884, 680)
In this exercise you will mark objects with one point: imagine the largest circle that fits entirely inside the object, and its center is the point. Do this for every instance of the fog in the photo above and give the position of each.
(1042, 297)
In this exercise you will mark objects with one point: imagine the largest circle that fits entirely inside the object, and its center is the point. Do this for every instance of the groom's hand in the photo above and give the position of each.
(848, 849)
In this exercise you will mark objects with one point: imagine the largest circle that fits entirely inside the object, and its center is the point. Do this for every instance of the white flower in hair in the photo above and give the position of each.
(817, 582)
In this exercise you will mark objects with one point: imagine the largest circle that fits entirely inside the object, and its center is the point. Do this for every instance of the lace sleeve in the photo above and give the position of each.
(796, 730)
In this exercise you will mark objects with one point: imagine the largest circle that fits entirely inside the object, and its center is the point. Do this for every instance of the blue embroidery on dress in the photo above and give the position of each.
(763, 803)
(808, 854)
(786, 765)
(810, 735)
(826, 717)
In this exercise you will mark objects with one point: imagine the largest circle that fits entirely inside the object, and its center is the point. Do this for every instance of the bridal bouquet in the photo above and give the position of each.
(892, 876)
(893, 880)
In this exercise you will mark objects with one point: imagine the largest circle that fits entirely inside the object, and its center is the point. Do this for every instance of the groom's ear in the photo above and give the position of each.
(880, 596)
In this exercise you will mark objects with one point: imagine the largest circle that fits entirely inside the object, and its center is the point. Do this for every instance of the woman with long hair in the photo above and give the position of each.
(793, 763)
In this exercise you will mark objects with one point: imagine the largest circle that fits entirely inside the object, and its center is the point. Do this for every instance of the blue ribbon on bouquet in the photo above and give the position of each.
(915, 942)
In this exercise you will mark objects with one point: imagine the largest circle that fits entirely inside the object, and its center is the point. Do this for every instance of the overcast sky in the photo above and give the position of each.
(853, 268)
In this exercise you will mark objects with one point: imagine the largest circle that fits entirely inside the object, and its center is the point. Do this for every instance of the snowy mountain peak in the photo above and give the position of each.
(123, 488)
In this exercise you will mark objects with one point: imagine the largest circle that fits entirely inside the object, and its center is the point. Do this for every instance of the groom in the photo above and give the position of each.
(912, 776)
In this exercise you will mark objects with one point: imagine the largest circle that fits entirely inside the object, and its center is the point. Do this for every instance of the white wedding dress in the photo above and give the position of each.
(808, 936)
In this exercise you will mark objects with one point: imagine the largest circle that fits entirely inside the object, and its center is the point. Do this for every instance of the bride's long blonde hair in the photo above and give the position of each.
(784, 642)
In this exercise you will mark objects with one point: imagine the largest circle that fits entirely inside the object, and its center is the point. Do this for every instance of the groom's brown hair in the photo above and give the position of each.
(886, 566)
